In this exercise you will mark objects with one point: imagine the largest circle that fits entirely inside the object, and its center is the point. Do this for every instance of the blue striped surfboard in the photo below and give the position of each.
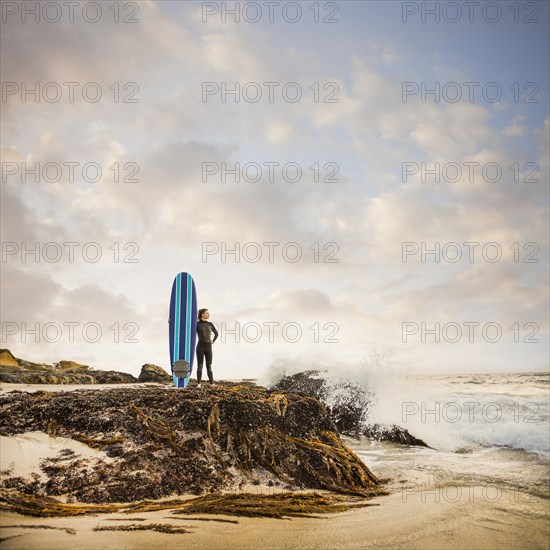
(183, 324)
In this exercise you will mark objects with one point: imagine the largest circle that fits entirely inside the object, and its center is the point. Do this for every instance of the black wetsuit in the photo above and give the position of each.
(205, 329)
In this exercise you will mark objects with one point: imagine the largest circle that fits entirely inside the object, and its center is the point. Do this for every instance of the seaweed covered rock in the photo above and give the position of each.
(309, 382)
(158, 442)
(152, 373)
(396, 434)
(348, 405)
(347, 402)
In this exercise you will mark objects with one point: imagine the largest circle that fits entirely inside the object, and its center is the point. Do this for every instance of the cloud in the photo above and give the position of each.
(516, 129)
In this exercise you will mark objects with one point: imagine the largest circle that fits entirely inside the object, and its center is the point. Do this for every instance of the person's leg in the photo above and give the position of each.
(208, 356)
(200, 359)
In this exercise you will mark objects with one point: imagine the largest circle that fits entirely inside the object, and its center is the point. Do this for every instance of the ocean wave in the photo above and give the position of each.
(447, 412)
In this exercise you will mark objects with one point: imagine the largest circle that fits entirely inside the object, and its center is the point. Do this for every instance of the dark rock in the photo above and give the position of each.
(347, 402)
(393, 433)
(348, 405)
(307, 383)
(112, 377)
(152, 373)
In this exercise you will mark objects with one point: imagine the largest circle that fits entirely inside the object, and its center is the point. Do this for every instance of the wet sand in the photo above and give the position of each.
(516, 520)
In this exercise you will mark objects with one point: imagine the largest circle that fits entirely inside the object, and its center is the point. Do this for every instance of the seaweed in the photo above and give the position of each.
(67, 530)
(157, 429)
(207, 519)
(96, 443)
(126, 519)
(280, 506)
(43, 506)
(284, 505)
(158, 527)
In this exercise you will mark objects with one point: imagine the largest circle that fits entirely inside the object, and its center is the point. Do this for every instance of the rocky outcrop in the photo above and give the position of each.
(153, 373)
(18, 371)
(7, 359)
(113, 377)
(163, 441)
(348, 405)
(393, 433)
(71, 366)
(346, 401)
(310, 382)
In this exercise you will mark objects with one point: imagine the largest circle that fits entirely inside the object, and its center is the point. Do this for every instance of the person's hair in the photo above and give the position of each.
(201, 311)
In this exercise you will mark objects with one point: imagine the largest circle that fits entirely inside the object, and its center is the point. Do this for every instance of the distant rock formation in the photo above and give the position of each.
(7, 359)
(152, 373)
(348, 405)
(18, 371)
(159, 442)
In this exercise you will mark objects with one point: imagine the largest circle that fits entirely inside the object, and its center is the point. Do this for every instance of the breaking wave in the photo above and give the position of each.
(448, 412)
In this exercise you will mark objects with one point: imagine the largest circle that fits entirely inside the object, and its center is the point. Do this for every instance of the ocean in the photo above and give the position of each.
(488, 434)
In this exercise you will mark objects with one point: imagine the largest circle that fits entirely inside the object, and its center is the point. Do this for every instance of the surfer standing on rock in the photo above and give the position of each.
(207, 335)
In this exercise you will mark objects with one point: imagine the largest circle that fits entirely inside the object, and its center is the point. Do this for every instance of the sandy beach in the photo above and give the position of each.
(397, 522)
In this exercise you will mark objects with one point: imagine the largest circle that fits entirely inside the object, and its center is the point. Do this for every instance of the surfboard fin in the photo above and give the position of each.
(182, 368)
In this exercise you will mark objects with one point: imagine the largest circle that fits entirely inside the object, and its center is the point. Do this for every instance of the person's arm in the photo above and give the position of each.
(214, 330)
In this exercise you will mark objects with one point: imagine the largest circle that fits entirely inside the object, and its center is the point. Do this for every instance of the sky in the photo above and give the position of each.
(347, 182)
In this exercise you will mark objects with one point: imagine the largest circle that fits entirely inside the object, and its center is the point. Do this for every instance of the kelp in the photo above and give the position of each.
(43, 506)
(158, 527)
(67, 530)
(282, 505)
(234, 521)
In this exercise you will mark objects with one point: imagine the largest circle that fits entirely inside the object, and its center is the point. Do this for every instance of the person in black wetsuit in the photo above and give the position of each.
(207, 335)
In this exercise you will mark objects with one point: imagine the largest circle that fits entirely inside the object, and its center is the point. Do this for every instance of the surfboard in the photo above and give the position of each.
(183, 328)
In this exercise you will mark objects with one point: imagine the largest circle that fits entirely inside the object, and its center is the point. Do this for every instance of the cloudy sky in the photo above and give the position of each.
(364, 136)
